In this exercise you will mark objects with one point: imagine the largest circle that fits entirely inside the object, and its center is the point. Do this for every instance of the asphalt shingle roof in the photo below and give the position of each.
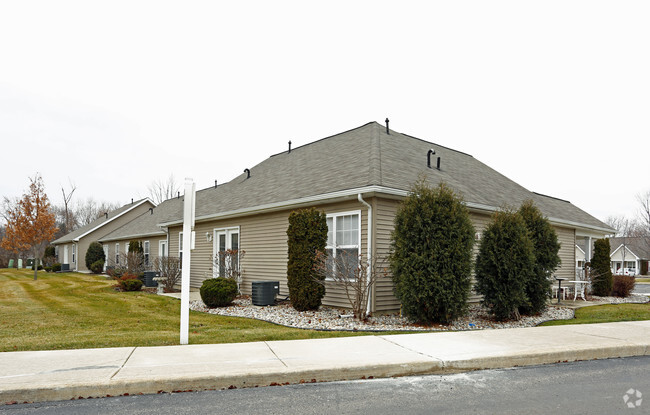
(97, 223)
(367, 156)
(147, 223)
(639, 246)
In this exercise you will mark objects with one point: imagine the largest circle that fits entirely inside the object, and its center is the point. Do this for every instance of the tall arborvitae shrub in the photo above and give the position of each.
(136, 246)
(307, 236)
(94, 253)
(601, 275)
(504, 264)
(431, 255)
(546, 248)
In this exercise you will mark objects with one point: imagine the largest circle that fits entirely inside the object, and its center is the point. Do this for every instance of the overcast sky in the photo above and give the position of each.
(114, 95)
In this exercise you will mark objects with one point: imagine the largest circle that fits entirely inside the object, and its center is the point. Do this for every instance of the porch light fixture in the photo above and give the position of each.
(208, 236)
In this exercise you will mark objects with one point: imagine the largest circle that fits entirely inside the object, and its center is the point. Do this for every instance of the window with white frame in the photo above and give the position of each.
(225, 252)
(343, 238)
(74, 253)
(145, 249)
(117, 254)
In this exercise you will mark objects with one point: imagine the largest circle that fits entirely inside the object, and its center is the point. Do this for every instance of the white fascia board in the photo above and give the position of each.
(580, 249)
(352, 194)
(627, 248)
(113, 218)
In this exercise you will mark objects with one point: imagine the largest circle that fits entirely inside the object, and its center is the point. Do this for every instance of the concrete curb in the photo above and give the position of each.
(303, 361)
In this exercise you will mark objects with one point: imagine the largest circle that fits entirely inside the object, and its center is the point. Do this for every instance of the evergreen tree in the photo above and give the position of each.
(546, 248)
(431, 254)
(602, 281)
(94, 253)
(504, 264)
(307, 236)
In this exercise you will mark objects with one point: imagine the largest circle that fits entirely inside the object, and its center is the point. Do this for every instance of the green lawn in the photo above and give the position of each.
(70, 310)
(606, 314)
(643, 280)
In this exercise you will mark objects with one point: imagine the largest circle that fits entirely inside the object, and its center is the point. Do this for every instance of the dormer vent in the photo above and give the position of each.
(248, 173)
(429, 153)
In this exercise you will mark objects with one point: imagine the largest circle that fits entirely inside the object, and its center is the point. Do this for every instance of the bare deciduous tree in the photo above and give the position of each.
(67, 197)
(356, 275)
(169, 271)
(88, 211)
(161, 190)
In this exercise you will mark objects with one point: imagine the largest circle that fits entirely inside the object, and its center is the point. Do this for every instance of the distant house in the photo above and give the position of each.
(144, 228)
(358, 178)
(71, 248)
(629, 252)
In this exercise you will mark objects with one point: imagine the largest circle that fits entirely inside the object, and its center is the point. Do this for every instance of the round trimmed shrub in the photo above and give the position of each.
(56, 267)
(131, 284)
(431, 254)
(94, 253)
(218, 292)
(97, 267)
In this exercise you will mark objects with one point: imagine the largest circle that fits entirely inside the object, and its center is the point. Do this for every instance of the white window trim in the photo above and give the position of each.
(215, 242)
(146, 251)
(117, 254)
(74, 253)
(180, 243)
(334, 215)
(163, 252)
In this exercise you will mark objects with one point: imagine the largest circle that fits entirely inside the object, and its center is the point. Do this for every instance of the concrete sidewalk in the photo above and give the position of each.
(69, 374)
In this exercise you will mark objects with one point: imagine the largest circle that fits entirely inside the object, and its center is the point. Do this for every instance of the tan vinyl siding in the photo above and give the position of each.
(567, 238)
(383, 216)
(263, 238)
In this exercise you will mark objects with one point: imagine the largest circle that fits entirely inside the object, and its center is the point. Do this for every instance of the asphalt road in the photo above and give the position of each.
(641, 288)
(593, 387)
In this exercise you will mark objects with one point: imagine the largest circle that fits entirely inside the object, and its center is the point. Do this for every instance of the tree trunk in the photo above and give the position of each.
(35, 262)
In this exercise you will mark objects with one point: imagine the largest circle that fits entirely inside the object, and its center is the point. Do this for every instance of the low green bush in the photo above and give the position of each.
(218, 292)
(623, 285)
(130, 282)
(48, 269)
(97, 267)
(56, 267)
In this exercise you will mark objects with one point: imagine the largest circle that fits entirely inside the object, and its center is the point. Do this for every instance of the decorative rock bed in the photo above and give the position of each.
(328, 318)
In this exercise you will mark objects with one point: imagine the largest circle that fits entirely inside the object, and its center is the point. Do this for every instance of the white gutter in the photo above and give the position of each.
(350, 193)
(368, 253)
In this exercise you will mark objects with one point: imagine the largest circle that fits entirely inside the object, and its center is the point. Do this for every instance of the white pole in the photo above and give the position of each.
(188, 227)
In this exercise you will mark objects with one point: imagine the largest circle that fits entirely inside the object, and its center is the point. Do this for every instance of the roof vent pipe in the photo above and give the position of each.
(131, 200)
(215, 184)
(387, 131)
(106, 215)
(289, 146)
(178, 195)
(248, 173)
(438, 164)
(151, 210)
(429, 153)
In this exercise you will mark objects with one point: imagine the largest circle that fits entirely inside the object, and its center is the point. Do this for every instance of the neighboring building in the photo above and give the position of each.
(71, 248)
(629, 252)
(145, 229)
(358, 178)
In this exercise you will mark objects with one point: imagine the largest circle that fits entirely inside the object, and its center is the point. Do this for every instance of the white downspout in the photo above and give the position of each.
(369, 250)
